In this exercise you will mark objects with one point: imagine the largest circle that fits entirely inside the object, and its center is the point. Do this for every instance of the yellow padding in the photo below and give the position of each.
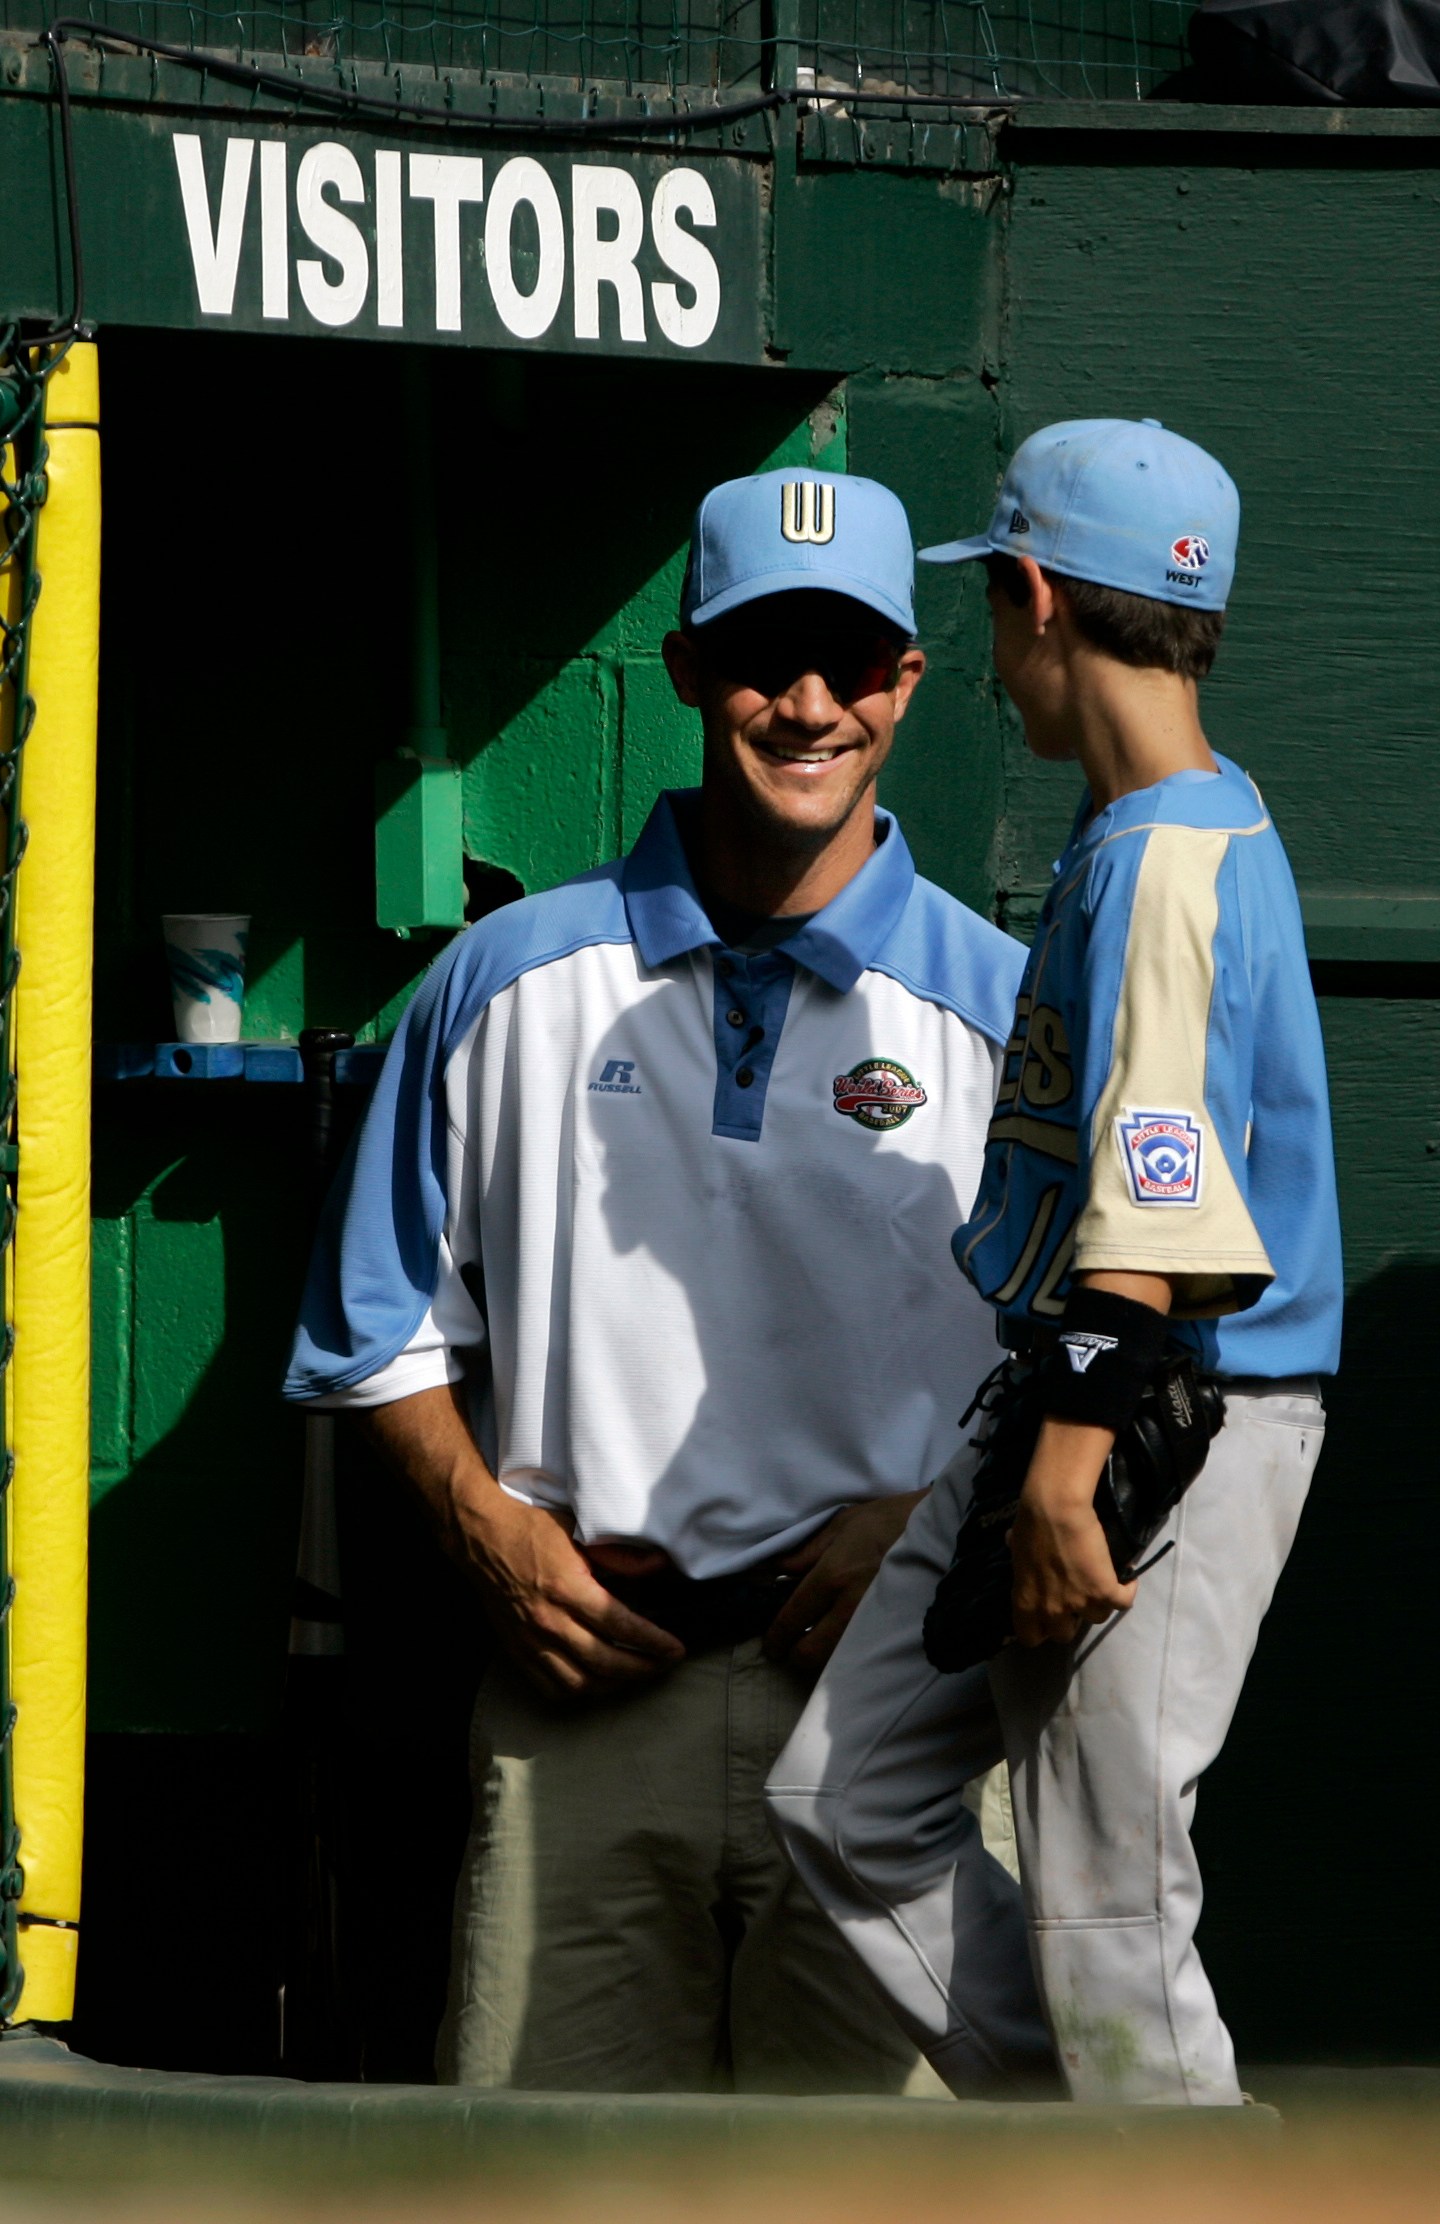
(51, 1367)
(48, 1958)
(73, 395)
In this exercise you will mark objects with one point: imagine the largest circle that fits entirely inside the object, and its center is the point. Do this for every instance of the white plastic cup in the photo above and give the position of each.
(206, 954)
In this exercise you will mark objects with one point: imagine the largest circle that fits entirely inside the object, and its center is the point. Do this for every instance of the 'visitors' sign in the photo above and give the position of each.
(617, 252)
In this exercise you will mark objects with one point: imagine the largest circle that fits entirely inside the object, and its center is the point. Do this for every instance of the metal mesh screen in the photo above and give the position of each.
(1054, 50)
(610, 44)
(1049, 49)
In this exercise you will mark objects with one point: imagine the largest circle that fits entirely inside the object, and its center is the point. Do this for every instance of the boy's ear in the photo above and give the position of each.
(1047, 596)
(682, 662)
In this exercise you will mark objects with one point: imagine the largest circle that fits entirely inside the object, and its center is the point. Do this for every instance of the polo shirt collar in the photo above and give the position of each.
(668, 919)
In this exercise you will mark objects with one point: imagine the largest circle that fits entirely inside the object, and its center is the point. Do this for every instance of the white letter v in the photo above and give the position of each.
(215, 260)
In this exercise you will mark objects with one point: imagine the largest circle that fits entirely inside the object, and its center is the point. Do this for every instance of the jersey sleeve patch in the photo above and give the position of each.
(1168, 1104)
(1161, 1153)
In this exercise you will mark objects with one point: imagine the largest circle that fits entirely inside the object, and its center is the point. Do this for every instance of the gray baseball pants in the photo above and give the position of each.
(1106, 1741)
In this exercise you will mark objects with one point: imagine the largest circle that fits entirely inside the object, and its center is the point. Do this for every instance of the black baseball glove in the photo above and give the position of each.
(1154, 1462)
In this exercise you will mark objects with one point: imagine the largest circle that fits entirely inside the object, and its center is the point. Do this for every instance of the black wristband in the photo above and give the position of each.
(1108, 1348)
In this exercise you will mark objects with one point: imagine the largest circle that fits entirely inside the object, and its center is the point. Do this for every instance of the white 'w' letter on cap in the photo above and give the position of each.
(807, 511)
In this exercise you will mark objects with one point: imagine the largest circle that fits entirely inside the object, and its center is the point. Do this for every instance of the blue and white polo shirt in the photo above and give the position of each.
(678, 1216)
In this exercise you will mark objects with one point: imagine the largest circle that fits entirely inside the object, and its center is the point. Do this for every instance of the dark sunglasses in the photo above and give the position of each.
(770, 660)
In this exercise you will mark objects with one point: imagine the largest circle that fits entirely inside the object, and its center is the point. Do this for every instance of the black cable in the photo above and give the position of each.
(75, 324)
(298, 90)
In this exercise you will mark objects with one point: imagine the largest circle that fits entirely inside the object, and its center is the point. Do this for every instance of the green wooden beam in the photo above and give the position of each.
(1372, 930)
(1168, 117)
(1348, 929)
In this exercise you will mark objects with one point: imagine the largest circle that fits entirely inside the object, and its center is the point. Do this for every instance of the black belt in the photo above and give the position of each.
(726, 1610)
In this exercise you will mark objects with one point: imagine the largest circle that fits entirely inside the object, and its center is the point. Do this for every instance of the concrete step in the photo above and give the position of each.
(63, 2116)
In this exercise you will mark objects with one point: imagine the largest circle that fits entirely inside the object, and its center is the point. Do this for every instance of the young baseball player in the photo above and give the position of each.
(1158, 1174)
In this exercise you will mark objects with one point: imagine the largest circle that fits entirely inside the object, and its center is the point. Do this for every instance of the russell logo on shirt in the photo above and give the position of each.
(617, 1079)
(878, 1094)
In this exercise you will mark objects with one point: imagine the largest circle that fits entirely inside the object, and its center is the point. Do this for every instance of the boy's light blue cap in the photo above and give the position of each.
(1123, 504)
(795, 528)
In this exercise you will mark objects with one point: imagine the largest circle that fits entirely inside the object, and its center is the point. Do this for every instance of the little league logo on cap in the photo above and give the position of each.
(793, 528)
(1123, 504)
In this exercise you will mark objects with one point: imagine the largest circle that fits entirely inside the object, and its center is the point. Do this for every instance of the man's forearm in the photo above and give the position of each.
(543, 1602)
(427, 1439)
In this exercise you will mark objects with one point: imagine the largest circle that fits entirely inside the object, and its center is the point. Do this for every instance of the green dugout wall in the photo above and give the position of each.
(906, 289)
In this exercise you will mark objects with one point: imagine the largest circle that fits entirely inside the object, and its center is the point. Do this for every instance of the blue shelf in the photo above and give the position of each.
(244, 1061)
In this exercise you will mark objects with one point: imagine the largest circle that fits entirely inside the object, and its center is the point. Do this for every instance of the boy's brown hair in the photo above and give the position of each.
(1135, 629)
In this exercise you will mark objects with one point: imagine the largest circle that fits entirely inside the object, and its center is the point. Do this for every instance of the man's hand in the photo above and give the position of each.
(837, 1566)
(541, 1600)
(1064, 1576)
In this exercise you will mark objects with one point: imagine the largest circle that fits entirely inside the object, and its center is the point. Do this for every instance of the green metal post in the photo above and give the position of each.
(785, 31)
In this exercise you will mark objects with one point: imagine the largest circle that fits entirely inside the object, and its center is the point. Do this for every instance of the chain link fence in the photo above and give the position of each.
(1066, 50)
(961, 49)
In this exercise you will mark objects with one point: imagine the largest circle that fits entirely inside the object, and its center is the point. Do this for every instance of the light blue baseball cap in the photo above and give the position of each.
(1123, 504)
(795, 528)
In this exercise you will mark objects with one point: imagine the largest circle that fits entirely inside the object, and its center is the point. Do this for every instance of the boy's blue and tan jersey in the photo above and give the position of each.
(1163, 1104)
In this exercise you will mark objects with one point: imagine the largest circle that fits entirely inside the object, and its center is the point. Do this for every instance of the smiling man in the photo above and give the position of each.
(641, 1271)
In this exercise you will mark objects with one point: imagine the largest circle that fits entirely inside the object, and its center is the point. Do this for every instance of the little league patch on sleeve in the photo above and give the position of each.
(1161, 1155)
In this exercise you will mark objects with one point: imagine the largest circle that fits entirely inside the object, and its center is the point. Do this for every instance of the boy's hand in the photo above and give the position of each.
(1064, 1577)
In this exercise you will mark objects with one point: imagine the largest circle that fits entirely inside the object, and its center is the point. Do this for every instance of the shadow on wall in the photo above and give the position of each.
(1318, 1825)
(195, 1508)
(256, 670)
(552, 543)
(202, 1208)
(187, 1836)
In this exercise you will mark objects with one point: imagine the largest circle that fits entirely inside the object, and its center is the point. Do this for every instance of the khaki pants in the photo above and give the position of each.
(625, 1921)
